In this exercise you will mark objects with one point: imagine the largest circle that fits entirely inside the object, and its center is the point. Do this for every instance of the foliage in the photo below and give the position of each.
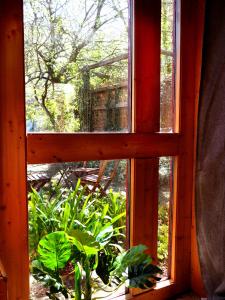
(165, 173)
(132, 267)
(163, 234)
(167, 23)
(95, 225)
(135, 269)
(79, 235)
(66, 209)
(54, 250)
(49, 278)
(62, 38)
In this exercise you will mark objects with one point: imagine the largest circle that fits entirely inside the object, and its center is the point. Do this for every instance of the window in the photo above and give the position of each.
(76, 66)
(143, 146)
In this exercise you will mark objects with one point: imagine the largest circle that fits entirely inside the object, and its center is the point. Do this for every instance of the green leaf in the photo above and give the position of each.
(104, 211)
(54, 250)
(109, 224)
(142, 276)
(105, 235)
(85, 205)
(66, 216)
(136, 255)
(118, 217)
(85, 242)
(77, 279)
(133, 267)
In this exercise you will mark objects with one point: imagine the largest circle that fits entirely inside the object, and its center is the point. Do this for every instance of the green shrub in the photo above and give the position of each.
(163, 234)
(57, 249)
(74, 233)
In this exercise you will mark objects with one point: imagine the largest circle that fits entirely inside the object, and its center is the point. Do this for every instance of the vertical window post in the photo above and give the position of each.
(146, 119)
(13, 205)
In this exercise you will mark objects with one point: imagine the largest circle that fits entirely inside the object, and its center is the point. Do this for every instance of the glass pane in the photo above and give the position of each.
(86, 203)
(164, 213)
(167, 84)
(76, 65)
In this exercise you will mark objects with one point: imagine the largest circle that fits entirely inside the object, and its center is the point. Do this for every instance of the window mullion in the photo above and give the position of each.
(146, 119)
(13, 205)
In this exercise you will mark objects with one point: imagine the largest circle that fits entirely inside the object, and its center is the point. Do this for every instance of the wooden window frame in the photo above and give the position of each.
(143, 146)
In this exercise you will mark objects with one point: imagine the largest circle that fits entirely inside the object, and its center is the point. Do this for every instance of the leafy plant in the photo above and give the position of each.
(135, 269)
(66, 209)
(49, 278)
(132, 267)
(95, 226)
(77, 240)
(163, 234)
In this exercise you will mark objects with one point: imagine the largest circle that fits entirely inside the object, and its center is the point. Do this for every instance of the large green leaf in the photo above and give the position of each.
(142, 276)
(85, 242)
(134, 256)
(54, 250)
(133, 267)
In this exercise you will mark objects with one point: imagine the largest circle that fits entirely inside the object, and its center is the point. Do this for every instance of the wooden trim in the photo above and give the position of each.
(143, 205)
(166, 289)
(146, 119)
(146, 78)
(46, 148)
(13, 204)
(177, 65)
(184, 165)
(50, 148)
(3, 288)
(196, 278)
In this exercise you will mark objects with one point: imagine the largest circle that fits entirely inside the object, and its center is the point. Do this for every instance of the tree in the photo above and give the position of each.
(61, 39)
(167, 65)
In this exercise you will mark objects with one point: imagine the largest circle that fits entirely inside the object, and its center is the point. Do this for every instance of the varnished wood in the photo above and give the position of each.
(164, 290)
(146, 78)
(142, 145)
(13, 206)
(145, 204)
(177, 65)
(191, 32)
(146, 119)
(50, 148)
(196, 278)
(3, 288)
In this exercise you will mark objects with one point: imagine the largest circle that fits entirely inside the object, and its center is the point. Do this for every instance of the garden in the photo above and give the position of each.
(78, 240)
(77, 243)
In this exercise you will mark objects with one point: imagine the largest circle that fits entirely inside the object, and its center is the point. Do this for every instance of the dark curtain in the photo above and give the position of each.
(210, 183)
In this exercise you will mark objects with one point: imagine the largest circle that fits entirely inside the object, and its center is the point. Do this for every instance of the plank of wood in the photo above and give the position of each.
(3, 288)
(196, 278)
(50, 148)
(146, 59)
(166, 289)
(13, 204)
(146, 119)
(145, 204)
(191, 30)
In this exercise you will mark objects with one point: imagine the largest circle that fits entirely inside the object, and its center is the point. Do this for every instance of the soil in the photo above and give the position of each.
(37, 290)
